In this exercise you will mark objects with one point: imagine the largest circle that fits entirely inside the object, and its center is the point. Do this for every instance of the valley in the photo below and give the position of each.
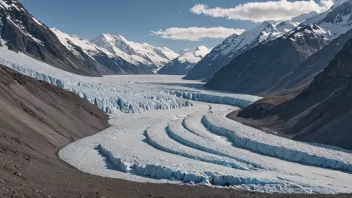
(261, 112)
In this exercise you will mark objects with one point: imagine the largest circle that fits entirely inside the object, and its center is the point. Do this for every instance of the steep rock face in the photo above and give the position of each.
(235, 45)
(42, 113)
(260, 68)
(306, 71)
(21, 32)
(97, 57)
(321, 113)
(135, 53)
(261, 74)
(185, 62)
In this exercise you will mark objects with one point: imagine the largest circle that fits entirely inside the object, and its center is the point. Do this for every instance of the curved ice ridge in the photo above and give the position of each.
(189, 139)
(267, 144)
(214, 98)
(162, 172)
(170, 146)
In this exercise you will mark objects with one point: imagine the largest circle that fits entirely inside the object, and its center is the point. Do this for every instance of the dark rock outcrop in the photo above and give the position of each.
(306, 71)
(321, 113)
(260, 68)
(23, 33)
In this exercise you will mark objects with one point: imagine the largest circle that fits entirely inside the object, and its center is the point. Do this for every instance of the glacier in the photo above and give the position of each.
(268, 144)
(120, 93)
(168, 130)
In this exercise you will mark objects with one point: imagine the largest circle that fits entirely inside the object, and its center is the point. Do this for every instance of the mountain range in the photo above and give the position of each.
(21, 32)
(235, 45)
(320, 113)
(279, 58)
(185, 62)
(135, 53)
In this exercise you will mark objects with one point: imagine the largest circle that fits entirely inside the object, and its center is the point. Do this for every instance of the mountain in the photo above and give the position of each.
(259, 69)
(235, 45)
(185, 62)
(98, 57)
(321, 113)
(262, 67)
(307, 70)
(21, 32)
(135, 53)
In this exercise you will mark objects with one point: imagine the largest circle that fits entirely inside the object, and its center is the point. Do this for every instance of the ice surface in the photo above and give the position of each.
(164, 138)
(267, 144)
(121, 93)
(140, 148)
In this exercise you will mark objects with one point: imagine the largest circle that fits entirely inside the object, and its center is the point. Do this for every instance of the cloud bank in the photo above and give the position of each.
(196, 33)
(265, 11)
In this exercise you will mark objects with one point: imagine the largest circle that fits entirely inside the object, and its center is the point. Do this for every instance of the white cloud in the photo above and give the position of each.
(265, 11)
(196, 33)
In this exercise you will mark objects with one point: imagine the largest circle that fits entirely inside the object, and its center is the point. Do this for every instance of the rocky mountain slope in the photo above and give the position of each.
(185, 62)
(306, 71)
(235, 45)
(21, 32)
(261, 68)
(135, 53)
(99, 57)
(321, 113)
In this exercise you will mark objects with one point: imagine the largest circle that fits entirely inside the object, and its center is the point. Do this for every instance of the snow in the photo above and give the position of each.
(271, 145)
(5, 5)
(236, 44)
(88, 47)
(35, 20)
(135, 53)
(120, 93)
(155, 147)
(168, 130)
(333, 29)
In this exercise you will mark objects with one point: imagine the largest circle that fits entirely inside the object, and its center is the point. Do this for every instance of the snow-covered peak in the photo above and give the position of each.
(286, 26)
(136, 53)
(194, 56)
(236, 44)
(336, 21)
(73, 41)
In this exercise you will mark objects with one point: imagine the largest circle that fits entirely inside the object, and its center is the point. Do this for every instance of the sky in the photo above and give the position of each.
(176, 24)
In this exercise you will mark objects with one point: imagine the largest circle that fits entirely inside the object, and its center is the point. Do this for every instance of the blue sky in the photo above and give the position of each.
(136, 19)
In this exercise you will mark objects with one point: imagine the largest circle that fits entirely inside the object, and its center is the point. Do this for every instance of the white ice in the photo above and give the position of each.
(176, 132)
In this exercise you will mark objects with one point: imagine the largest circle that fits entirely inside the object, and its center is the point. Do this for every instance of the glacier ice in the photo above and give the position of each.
(120, 93)
(267, 144)
(157, 147)
(189, 141)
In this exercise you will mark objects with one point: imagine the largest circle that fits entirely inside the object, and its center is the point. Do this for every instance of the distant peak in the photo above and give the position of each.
(267, 24)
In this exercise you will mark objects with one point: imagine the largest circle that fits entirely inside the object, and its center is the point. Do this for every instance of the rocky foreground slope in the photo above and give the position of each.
(321, 113)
